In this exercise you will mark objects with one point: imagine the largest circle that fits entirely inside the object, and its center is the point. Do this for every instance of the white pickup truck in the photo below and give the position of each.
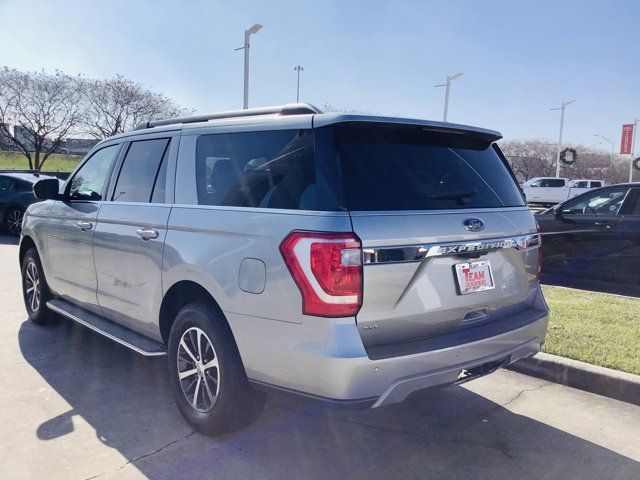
(552, 190)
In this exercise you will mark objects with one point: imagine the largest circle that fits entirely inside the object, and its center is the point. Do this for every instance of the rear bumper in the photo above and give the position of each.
(328, 361)
(399, 390)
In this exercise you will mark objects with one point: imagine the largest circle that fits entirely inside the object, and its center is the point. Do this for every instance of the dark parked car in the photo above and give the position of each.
(16, 194)
(593, 240)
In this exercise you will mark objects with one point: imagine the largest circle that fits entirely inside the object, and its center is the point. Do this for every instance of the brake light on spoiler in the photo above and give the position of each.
(327, 268)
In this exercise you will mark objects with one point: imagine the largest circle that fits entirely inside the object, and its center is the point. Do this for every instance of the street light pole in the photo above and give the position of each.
(633, 148)
(612, 143)
(298, 68)
(561, 108)
(446, 92)
(247, 33)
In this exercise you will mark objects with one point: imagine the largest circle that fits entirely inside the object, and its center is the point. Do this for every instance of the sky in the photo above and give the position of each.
(519, 58)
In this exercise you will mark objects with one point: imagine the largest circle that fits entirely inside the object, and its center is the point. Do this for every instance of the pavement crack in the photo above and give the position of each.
(521, 392)
(146, 455)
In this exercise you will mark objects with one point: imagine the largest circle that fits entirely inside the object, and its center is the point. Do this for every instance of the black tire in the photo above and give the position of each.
(13, 221)
(235, 403)
(33, 277)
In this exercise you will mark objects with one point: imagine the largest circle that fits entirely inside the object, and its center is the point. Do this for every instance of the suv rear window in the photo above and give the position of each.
(406, 167)
(272, 169)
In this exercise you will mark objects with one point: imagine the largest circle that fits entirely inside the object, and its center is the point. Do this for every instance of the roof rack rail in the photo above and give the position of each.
(290, 109)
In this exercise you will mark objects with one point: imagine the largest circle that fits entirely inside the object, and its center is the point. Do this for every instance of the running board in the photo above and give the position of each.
(122, 335)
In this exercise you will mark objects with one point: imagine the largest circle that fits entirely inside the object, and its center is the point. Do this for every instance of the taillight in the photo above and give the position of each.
(539, 272)
(327, 268)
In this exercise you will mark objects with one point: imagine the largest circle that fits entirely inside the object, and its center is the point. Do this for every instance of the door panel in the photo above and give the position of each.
(69, 246)
(69, 241)
(584, 241)
(129, 238)
(128, 267)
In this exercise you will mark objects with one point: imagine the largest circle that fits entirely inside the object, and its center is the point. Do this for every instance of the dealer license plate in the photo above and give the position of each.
(474, 277)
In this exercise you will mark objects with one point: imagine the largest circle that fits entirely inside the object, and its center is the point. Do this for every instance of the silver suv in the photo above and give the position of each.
(349, 259)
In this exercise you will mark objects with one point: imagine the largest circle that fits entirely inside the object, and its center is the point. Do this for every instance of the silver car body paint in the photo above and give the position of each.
(381, 354)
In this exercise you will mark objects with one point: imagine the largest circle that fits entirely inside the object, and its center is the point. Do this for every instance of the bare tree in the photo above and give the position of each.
(329, 108)
(43, 108)
(117, 105)
(530, 157)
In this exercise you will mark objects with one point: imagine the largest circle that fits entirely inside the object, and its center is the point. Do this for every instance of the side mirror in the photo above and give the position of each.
(47, 189)
(557, 212)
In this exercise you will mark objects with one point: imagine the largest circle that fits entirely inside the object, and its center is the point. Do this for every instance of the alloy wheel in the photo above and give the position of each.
(32, 286)
(198, 369)
(14, 221)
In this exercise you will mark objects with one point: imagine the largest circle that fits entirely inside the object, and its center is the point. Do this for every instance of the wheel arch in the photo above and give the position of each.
(180, 294)
(25, 244)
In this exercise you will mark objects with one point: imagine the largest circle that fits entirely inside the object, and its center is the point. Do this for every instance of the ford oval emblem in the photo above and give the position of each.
(473, 224)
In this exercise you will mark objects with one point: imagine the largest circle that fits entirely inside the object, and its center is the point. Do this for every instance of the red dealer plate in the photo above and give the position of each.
(474, 277)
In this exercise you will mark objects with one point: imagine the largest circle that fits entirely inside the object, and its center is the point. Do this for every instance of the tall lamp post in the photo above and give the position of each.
(298, 68)
(447, 86)
(561, 108)
(247, 33)
(610, 142)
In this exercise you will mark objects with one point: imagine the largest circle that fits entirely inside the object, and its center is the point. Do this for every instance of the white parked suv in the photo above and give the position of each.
(553, 190)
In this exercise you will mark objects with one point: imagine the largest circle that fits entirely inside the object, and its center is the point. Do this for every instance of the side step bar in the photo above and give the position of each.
(122, 335)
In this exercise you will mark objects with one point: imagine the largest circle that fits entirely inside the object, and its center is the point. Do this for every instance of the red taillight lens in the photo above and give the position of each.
(327, 268)
(539, 272)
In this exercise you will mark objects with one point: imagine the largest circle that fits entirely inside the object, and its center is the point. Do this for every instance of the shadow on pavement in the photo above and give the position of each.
(447, 433)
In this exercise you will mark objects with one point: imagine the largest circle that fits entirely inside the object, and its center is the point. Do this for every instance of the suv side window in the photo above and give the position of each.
(88, 183)
(581, 185)
(552, 182)
(272, 169)
(596, 184)
(140, 170)
(607, 202)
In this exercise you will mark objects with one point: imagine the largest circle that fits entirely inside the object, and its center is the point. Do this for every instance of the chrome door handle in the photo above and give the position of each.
(606, 225)
(84, 226)
(147, 233)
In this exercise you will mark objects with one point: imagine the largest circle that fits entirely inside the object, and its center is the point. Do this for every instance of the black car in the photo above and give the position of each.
(593, 240)
(16, 194)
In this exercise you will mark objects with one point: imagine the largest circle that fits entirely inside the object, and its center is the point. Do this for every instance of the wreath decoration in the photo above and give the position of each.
(636, 163)
(568, 156)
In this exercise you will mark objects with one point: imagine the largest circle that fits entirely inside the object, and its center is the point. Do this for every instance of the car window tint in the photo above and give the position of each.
(552, 183)
(604, 202)
(636, 208)
(7, 184)
(160, 187)
(139, 170)
(88, 182)
(581, 185)
(596, 184)
(391, 167)
(273, 169)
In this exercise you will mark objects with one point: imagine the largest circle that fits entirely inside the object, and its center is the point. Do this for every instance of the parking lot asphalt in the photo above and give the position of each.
(74, 405)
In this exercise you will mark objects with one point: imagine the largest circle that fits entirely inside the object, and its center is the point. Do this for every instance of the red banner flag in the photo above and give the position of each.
(627, 139)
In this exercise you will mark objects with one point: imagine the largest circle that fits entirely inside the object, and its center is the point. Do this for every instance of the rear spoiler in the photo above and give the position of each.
(321, 120)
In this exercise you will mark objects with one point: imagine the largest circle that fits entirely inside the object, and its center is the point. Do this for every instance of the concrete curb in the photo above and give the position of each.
(584, 376)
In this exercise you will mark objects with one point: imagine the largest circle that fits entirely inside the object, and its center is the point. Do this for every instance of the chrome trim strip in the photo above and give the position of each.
(418, 253)
(73, 317)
